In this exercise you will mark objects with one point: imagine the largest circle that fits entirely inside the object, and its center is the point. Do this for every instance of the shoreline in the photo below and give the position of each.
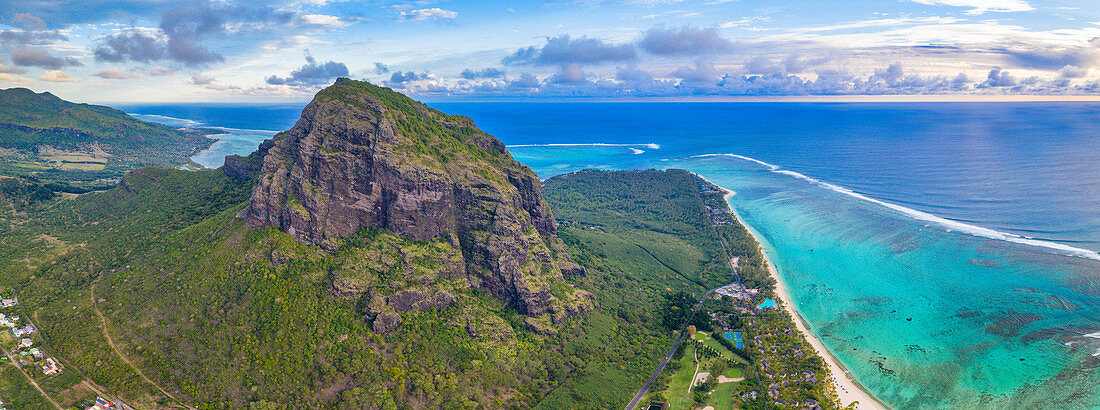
(848, 390)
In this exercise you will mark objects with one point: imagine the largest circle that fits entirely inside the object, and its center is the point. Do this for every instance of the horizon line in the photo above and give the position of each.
(691, 99)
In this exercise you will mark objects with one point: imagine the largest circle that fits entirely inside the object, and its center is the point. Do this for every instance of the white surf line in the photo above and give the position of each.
(951, 225)
(588, 144)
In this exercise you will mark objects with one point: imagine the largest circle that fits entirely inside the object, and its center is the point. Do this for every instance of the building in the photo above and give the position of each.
(49, 366)
(35, 352)
(9, 302)
(26, 342)
(23, 331)
(101, 404)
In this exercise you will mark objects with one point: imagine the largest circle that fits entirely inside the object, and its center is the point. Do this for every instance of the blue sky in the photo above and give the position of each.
(259, 51)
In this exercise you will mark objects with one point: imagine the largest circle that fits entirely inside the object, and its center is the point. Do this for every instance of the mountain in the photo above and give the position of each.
(363, 156)
(379, 254)
(54, 139)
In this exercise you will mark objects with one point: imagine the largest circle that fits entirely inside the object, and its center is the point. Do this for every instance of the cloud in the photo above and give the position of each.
(702, 72)
(311, 73)
(38, 57)
(564, 50)
(24, 37)
(570, 74)
(1053, 58)
(380, 68)
(998, 78)
(12, 79)
(982, 6)
(116, 74)
(1070, 71)
(158, 71)
(133, 46)
(400, 80)
(199, 79)
(434, 13)
(28, 21)
(631, 74)
(763, 66)
(56, 77)
(187, 27)
(489, 72)
(684, 41)
(526, 81)
(10, 70)
(744, 21)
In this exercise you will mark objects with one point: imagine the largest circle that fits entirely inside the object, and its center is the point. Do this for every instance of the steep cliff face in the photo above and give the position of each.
(364, 156)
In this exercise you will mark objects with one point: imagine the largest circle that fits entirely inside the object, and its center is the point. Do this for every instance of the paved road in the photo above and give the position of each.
(641, 392)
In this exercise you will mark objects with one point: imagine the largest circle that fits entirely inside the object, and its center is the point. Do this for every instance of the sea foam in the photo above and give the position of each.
(951, 225)
(587, 144)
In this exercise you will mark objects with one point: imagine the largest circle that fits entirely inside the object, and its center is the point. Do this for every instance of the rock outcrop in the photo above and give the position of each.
(363, 156)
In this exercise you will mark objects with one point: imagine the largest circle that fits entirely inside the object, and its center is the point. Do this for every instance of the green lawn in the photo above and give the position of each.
(722, 396)
(721, 349)
(677, 392)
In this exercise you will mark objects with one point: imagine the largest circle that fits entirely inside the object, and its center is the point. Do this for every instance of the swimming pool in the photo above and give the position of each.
(768, 304)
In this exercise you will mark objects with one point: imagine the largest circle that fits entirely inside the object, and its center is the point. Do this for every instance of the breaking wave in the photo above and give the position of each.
(590, 144)
(951, 225)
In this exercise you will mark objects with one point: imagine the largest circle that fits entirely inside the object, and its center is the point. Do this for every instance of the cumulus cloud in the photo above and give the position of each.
(56, 76)
(133, 46)
(116, 74)
(565, 50)
(1070, 71)
(702, 72)
(401, 80)
(489, 72)
(380, 68)
(526, 81)
(433, 13)
(684, 41)
(570, 74)
(311, 73)
(632, 74)
(998, 78)
(39, 57)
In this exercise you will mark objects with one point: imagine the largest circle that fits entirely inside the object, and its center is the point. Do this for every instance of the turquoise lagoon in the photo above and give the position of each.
(924, 314)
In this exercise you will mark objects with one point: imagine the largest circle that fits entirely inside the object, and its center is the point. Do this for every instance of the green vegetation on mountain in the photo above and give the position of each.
(274, 286)
(53, 139)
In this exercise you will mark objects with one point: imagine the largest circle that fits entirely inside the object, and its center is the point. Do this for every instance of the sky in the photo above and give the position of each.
(285, 50)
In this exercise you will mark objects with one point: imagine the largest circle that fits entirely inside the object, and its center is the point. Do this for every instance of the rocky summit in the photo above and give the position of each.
(363, 156)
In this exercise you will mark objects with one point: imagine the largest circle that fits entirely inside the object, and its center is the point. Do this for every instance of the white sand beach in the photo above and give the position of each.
(848, 390)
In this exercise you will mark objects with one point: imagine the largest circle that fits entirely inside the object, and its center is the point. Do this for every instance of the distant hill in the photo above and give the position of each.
(50, 138)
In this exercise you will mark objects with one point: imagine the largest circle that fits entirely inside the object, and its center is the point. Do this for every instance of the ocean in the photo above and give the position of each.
(946, 253)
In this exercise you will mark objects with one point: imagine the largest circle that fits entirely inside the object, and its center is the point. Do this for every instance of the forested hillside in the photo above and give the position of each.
(82, 144)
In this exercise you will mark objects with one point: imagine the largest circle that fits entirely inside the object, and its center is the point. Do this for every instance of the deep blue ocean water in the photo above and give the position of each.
(944, 252)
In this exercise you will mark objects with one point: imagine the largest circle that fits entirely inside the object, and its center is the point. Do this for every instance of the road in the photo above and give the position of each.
(29, 378)
(641, 392)
(111, 343)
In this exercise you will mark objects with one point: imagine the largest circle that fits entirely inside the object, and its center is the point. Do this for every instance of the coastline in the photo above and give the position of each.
(848, 390)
